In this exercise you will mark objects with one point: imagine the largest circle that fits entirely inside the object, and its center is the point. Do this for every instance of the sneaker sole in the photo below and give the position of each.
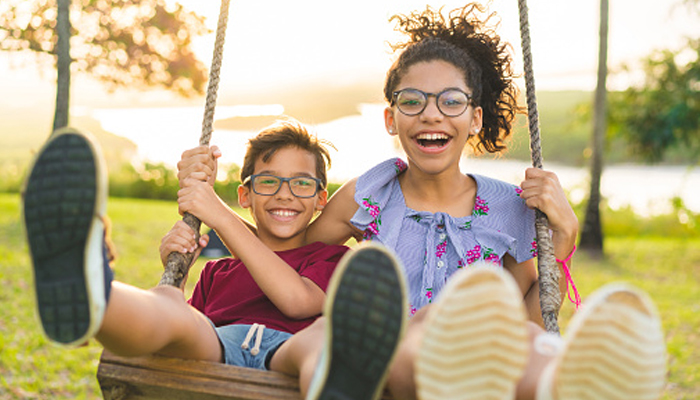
(475, 343)
(614, 349)
(64, 196)
(367, 309)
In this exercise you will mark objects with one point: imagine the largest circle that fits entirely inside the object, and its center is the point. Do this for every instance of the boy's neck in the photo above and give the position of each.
(276, 244)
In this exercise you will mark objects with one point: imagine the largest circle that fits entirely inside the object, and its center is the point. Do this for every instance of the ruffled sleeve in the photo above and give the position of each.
(380, 201)
(501, 220)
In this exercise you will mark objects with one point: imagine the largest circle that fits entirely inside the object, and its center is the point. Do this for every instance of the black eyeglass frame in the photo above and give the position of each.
(427, 96)
(248, 181)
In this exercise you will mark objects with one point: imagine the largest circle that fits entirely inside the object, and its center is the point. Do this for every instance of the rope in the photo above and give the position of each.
(178, 264)
(550, 299)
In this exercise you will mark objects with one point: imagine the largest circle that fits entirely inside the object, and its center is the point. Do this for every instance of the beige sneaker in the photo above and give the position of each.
(475, 343)
(614, 350)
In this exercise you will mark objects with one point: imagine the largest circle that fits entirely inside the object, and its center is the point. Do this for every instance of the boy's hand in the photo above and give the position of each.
(199, 199)
(180, 239)
(199, 163)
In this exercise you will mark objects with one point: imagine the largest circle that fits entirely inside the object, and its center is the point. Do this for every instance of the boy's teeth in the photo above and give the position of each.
(284, 213)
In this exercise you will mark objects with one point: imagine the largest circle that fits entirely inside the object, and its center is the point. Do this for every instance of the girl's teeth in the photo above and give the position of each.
(432, 136)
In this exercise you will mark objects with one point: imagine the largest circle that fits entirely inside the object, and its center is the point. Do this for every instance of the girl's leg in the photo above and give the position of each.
(299, 355)
(401, 381)
(141, 322)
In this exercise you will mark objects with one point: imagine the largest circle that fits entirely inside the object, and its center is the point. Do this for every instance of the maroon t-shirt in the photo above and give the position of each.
(227, 293)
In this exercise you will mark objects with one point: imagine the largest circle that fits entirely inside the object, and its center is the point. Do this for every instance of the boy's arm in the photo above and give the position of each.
(295, 296)
(333, 225)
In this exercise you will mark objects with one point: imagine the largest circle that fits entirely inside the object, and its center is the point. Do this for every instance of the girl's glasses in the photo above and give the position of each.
(269, 185)
(450, 102)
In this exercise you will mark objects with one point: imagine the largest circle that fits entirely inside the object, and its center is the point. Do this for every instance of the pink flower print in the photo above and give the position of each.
(460, 263)
(473, 254)
(411, 310)
(490, 255)
(481, 207)
(429, 294)
(400, 166)
(518, 191)
(533, 248)
(441, 249)
(374, 211)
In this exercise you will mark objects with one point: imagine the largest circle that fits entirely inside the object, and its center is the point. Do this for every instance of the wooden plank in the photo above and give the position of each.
(154, 377)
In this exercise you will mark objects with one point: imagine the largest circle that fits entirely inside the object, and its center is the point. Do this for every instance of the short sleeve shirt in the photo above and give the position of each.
(228, 294)
(433, 246)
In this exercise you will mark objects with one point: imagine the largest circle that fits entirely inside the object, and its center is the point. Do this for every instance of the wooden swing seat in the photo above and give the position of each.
(154, 377)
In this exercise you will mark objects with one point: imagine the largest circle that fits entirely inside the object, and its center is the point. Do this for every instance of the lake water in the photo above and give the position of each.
(162, 134)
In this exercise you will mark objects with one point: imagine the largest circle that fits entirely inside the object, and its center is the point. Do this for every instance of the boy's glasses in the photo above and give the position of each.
(268, 185)
(450, 102)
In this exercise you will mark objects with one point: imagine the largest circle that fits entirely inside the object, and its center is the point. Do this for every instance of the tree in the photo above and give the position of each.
(592, 233)
(663, 113)
(122, 43)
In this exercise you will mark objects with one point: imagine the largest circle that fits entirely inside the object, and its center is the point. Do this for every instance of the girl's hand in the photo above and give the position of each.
(181, 239)
(199, 163)
(199, 199)
(542, 190)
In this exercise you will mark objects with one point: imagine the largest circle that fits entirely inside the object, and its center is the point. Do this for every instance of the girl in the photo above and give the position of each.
(452, 85)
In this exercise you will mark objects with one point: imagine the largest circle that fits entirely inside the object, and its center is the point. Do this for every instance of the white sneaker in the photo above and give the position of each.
(64, 202)
(614, 350)
(475, 343)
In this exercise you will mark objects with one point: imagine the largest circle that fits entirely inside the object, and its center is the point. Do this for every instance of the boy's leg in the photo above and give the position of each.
(474, 342)
(365, 316)
(614, 349)
(64, 206)
(156, 321)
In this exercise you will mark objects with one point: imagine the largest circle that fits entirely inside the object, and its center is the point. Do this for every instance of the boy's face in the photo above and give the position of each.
(282, 218)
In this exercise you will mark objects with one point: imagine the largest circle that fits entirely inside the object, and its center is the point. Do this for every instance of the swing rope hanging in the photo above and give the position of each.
(178, 264)
(550, 299)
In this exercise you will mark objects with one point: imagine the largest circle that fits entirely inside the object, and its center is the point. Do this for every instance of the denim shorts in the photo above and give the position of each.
(255, 352)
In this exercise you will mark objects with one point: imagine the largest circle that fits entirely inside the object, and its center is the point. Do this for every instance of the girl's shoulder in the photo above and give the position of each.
(379, 180)
(499, 199)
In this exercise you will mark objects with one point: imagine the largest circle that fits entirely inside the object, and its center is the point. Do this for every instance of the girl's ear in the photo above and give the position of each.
(389, 122)
(322, 199)
(477, 121)
(243, 196)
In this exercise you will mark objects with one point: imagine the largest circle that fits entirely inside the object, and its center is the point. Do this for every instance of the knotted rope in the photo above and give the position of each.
(178, 264)
(550, 299)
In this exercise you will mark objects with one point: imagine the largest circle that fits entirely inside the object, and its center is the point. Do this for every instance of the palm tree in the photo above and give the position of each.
(592, 233)
(63, 62)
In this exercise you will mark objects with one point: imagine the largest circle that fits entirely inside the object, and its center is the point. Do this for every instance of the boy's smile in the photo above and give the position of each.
(282, 218)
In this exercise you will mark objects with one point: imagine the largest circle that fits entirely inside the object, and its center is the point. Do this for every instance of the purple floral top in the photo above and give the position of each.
(434, 246)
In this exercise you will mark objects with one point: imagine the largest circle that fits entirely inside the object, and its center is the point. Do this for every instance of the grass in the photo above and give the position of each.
(32, 368)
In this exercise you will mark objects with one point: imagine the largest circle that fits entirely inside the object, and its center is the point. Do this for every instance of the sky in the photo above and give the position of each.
(321, 39)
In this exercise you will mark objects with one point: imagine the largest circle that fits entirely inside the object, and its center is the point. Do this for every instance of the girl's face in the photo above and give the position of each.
(432, 141)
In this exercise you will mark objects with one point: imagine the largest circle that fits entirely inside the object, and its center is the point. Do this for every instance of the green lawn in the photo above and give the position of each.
(32, 368)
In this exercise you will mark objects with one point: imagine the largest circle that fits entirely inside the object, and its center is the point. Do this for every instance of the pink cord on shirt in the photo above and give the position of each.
(577, 298)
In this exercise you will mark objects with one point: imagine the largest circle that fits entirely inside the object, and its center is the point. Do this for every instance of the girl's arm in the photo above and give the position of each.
(296, 296)
(333, 225)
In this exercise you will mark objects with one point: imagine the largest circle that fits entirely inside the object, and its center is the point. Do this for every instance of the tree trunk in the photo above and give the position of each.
(63, 61)
(592, 234)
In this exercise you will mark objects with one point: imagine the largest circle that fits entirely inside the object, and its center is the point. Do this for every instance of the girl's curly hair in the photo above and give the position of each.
(470, 44)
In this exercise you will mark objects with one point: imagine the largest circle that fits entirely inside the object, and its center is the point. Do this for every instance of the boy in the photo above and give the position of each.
(242, 310)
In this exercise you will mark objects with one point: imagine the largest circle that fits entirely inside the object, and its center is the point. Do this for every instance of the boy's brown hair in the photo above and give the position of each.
(282, 134)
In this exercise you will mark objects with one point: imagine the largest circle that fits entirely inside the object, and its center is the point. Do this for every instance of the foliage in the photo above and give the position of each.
(134, 43)
(662, 114)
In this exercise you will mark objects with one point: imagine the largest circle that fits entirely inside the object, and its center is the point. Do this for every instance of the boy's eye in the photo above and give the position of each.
(268, 181)
(301, 182)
